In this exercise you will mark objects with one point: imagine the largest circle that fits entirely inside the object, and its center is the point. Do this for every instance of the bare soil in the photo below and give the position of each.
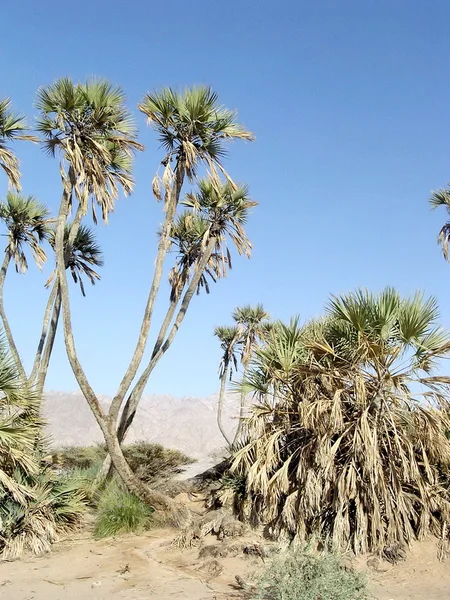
(150, 566)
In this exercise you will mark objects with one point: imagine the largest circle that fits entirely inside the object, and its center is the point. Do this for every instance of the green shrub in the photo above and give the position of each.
(80, 457)
(300, 575)
(120, 512)
(153, 462)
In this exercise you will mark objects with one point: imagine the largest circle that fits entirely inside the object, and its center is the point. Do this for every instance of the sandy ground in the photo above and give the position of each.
(148, 566)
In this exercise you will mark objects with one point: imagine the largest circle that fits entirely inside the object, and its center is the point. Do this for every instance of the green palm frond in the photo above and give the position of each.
(89, 125)
(442, 198)
(84, 254)
(12, 127)
(191, 126)
(28, 224)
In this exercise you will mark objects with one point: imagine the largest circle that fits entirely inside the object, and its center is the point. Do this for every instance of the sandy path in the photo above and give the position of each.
(125, 568)
(147, 566)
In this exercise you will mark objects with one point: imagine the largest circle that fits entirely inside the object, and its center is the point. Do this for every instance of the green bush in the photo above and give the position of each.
(120, 512)
(80, 457)
(151, 462)
(300, 575)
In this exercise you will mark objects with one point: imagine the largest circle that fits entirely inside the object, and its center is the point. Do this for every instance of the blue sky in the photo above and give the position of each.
(349, 104)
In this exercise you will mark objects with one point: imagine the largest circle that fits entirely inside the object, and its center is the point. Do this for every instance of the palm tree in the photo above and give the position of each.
(225, 208)
(27, 222)
(12, 127)
(442, 198)
(229, 338)
(91, 130)
(252, 323)
(193, 129)
(347, 441)
(81, 256)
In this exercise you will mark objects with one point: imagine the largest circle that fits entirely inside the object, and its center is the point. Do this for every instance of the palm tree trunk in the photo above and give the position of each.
(241, 411)
(223, 381)
(105, 469)
(163, 246)
(43, 365)
(177, 513)
(6, 325)
(161, 348)
(45, 324)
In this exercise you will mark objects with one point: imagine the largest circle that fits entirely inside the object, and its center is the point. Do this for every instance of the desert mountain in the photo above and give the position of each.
(187, 424)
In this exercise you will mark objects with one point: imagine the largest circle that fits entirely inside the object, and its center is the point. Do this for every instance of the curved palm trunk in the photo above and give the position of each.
(45, 325)
(136, 393)
(6, 325)
(44, 364)
(105, 469)
(178, 514)
(223, 381)
(163, 246)
(237, 435)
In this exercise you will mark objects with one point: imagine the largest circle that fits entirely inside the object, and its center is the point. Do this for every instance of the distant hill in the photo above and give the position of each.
(187, 424)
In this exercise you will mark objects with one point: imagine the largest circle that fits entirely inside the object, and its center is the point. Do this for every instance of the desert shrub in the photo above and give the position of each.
(80, 457)
(153, 463)
(347, 439)
(120, 512)
(300, 575)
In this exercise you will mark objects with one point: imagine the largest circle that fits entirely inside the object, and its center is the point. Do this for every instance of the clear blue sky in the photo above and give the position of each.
(349, 101)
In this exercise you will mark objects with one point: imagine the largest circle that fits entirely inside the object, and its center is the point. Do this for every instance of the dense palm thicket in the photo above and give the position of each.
(347, 440)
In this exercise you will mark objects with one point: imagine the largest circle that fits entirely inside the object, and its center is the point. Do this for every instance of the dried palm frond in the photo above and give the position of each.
(344, 443)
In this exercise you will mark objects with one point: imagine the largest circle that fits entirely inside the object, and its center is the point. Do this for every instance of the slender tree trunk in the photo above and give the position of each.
(163, 246)
(223, 381)
(136, 393)
(45, 324)
(38, 370)
(6, 325)
(106, 468)
(237, 435)
(160, 348)
(44, 364)
(177, 513)
(128, 405)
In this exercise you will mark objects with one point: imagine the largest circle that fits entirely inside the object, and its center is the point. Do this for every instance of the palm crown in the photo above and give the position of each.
(96, 136)
(442, 198)
(84, 254)
(225, 207)
(229, 338)
(252, 323)
(27, 221)
(12, 127)
(192, 127)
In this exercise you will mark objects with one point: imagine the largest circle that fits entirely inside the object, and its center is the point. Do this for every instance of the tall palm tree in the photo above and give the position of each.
(90, 128)
(28, 226)
(225, 208)
(353, 447)
(193, 129)
(442, 198)
(252, 323)
(12, 127)
(229, 338)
